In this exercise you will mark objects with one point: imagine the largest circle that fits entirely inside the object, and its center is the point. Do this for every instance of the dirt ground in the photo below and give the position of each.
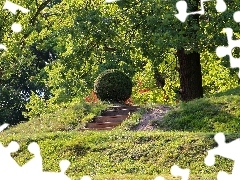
(155, 113)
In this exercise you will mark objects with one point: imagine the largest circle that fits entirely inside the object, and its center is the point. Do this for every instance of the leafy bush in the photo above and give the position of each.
(59, 117)
(113, 85)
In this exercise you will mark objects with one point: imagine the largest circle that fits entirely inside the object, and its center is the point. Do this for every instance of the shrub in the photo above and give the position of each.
(113, 85)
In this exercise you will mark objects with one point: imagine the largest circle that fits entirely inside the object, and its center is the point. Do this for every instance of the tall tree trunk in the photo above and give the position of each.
(190, 75)
(190, 67)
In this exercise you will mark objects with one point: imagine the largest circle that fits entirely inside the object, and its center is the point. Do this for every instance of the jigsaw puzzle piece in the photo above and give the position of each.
(221, 6)
(34, 165)
(227, 150)
(13, 8)
(64, 164)
(182, 9)
(223, 51)
(176, 171)
(7, 164)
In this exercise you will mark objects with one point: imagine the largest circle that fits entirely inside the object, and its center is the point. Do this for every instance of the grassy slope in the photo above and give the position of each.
(219, 113)
(121, 154)
(116, 152)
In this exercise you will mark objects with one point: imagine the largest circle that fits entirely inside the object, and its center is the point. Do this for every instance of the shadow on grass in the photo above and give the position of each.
(234, 91)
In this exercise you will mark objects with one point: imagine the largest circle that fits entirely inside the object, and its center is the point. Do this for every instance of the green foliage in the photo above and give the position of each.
(145, 90)
(47, 117)
(215, 114)
(11, 105)
(23, 60)
(113, 85)
(216, 77)
(62, 62)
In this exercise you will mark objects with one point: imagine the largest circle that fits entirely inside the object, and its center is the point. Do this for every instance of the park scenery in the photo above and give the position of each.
(126, 89)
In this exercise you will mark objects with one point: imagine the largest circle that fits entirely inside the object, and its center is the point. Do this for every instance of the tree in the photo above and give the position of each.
(19, 64)
(127, 35)
(189, 64)
(158, 31)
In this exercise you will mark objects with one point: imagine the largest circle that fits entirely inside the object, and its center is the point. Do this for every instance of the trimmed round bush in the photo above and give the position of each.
(113, 85)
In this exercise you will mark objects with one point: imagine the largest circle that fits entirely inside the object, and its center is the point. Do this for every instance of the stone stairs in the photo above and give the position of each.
(111, 117)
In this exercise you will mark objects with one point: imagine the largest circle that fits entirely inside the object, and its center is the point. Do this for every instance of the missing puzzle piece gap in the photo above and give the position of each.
(5, 125)
(236, 16)
(13, 8)
(182, 9)
(222, 51)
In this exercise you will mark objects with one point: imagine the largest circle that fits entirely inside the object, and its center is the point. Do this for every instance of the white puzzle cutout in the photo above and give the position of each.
(227, 150)
(176, 171)
(10, 169)
(16, 27)
(236, 16)
(222, 51)
(13, 8)
(182, 9)
(111, 1)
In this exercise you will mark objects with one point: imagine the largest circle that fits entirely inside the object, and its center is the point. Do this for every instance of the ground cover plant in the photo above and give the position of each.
(116, 152)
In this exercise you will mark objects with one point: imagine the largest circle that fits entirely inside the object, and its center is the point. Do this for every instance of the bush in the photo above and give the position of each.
(113, 85)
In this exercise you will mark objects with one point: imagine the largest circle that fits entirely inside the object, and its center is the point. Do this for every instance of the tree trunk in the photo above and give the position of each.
(189, 65)
(159, 79)
(190, 75)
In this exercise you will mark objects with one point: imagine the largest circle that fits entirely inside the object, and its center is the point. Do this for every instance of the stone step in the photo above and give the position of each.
(111, 117)
(103, 119)
(96, 129)
(114, 112)
(102, 125)
(130, 108)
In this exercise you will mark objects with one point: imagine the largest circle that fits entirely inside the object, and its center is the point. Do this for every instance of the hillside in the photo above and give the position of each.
(126, 154)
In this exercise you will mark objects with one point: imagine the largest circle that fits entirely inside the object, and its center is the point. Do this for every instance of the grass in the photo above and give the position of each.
(219, 113)
(183, 139)
(101, 154)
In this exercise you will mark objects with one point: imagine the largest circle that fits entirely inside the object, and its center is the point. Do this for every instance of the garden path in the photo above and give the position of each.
(155, 114)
